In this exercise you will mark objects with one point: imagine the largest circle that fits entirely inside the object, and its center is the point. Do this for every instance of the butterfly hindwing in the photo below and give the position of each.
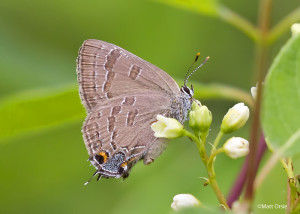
(117, 132)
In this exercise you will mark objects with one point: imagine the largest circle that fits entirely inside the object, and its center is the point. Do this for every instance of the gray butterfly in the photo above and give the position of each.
(122, 94)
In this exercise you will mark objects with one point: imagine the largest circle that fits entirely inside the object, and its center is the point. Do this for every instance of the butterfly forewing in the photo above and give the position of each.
(106, 71)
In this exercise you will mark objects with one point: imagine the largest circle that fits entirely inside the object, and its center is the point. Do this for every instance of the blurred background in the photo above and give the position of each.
(43, 170)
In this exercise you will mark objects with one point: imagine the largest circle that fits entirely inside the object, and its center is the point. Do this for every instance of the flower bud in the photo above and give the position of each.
(254, 92)
(295, 29)
(236, 147)
(167, 127)
(199, 117)
(239, 207)
(235, 118)
(184, 200)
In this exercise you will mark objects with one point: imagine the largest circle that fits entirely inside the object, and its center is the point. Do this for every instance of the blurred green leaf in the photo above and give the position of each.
(39, 109)
(221, 91)
(207, 7)
(216, 9)
(281, 98)
(50, 107)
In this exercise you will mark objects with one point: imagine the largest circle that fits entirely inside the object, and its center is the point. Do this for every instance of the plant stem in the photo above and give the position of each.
(221, 91)
(213, 183)
(284, 25)
(288, 167)
(214, 154)
(297, 206)
(217, 141)
(200, 145)
(288, 209)
(262, 49)
(238, 21)
(209, 167)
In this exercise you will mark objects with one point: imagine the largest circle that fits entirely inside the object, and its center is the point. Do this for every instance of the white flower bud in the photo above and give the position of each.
(295, 29)
(254, 92)
(200, 117)
(240, 207)
(236, 147)
(235, 118)
(184, 200)
(167, 127)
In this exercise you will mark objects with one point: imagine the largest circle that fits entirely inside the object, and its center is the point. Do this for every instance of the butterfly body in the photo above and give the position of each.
(122, 95)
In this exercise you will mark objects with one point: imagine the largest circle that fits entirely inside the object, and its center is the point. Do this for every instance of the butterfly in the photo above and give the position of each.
(122, 95)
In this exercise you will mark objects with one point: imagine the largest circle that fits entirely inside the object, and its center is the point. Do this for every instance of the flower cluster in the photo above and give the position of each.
(200, 119)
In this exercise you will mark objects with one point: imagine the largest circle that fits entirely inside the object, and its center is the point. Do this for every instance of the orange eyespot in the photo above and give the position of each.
(101, 157)
(122, 168)
(104, 155)
(124, 164)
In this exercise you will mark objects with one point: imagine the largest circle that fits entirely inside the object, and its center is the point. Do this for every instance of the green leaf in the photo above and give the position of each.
(206, 7)
(44, 108)
(281, 100)
(39, 109)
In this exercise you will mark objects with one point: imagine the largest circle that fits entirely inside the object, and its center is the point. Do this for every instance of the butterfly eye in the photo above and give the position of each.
(101, 157)
(187, 90)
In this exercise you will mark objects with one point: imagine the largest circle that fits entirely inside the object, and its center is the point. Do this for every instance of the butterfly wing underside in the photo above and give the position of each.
(122, 94)
(117, 133)
(105, 71)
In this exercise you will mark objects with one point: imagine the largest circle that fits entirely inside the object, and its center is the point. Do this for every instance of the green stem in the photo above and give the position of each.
(200, 145)
(213, 182)
(238, 21)
(211, 159)
(216, 143)
(288, 167)
(203, 137)
(284, 25)
(222, 12)
(191, 135)
(220, 91)
(214, 154)
(297, 206)
(209, 166)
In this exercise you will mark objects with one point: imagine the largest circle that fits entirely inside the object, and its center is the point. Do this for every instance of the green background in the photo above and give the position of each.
(43, 171)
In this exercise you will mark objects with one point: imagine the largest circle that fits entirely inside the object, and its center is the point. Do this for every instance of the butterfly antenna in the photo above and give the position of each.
(197, 56)
(186, 79)
(92, 178)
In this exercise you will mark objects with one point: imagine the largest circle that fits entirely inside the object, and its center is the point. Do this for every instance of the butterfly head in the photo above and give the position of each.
(187, 91)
